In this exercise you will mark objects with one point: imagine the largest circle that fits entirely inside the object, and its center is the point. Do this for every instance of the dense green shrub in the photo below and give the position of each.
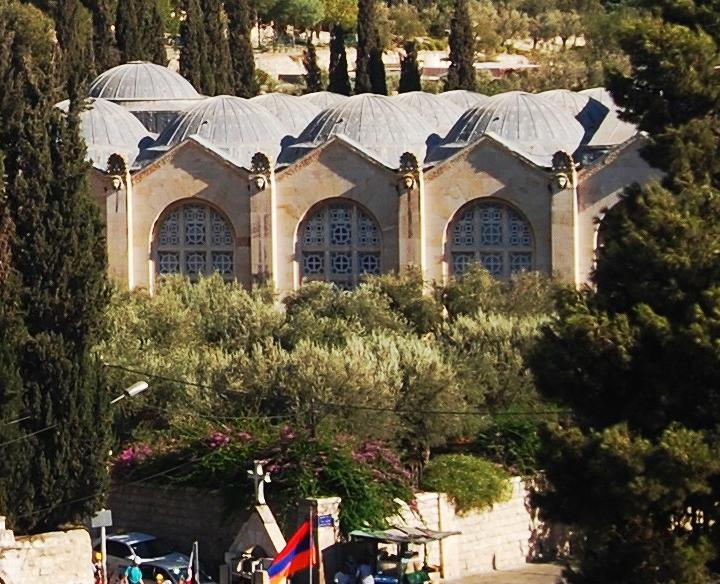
(472, 483)
(512, 441)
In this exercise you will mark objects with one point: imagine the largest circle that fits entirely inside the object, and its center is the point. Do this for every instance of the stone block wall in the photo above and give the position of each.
(179, 516)
(496, 539)
(58, 557)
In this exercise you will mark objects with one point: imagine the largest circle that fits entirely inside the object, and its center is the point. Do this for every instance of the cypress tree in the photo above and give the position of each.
(313, 75)
(153, 34)
(194, 64)
(140, 31)
(369, 68)
(127, 29)
(339, 80)
(104, 44)
(461, 73)
(58, 285)
(409, 70)
(73, 24)
(218, 50)
(241, 53)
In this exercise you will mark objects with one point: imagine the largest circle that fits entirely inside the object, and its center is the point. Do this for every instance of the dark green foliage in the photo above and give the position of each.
(409, 69)
(74, 27)
(470, 482)
(140, 31)
(369, 68)
(637, 361)
(672, 79)
(104, 43)
(218, 49)
(690, 153)
(154, 33)
(512, 441)
(338, 78)
(55, 300)
(461, 73)
(313, 75)
(127, 30)
(13, 463)
(194, 59)
(239, 17)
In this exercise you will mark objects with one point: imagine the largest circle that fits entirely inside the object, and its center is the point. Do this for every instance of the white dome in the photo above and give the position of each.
(232, 124)
(612, 130)
(463, 98)
(108, 128)
(375, 122)
(294, 113)
(439, 114)
(585, 109)
(529, 124)
(324, 99)
(138, 80)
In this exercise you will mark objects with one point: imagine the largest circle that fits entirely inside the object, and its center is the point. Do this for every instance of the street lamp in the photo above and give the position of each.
(104, 518)
(132, 391)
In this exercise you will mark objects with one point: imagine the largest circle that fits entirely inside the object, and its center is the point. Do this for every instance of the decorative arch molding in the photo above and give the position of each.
(338, 240)
(493, 233)
(193, 237)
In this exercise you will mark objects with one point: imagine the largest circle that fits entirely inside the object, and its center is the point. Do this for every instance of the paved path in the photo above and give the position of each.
(530, 574)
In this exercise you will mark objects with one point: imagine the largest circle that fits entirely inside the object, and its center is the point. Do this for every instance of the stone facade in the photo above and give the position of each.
(60, 557)
(414, 210)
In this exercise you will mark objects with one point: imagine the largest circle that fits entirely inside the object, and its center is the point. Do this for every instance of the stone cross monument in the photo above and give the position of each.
(259, 477)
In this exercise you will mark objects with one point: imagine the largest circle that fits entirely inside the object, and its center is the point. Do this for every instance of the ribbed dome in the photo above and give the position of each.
(612, 130)
(233, 124)
(529, 124)
(138, 80)
(375, 122)
(324, 99)
(439, 114)
(293, 112)
(463, 98)
(585, 109)
(108, 129)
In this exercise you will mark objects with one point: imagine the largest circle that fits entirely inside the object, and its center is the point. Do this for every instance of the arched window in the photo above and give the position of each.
(494, 235)
(194, 239)
(339, 243)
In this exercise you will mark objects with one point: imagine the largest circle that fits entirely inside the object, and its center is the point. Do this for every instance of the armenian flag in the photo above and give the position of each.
(298, 554)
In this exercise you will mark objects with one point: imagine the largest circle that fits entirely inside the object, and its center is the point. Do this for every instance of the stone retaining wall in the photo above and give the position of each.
(180, 516)
(58, 557)
(497, 539)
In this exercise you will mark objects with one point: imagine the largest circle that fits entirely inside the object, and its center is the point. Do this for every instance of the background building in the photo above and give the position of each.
(371, 184)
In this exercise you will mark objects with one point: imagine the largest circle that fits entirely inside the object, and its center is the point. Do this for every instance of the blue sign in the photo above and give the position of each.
(325, 521)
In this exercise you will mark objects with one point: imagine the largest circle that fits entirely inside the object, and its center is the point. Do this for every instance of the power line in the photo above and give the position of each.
(15, 421)
(487, 412)
(26, 436)
(171, 379)
(332, 405)
(111, 490)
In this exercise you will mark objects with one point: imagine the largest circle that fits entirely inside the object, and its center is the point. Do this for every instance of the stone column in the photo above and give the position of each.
(326, 531)
(410, 214)
(263, 217)
(564, 217)
(118, 219)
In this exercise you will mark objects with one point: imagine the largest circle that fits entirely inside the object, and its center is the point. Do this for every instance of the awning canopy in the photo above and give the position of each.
(418, 535)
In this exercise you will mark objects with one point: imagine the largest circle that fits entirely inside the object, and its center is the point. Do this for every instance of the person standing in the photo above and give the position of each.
(133, 575)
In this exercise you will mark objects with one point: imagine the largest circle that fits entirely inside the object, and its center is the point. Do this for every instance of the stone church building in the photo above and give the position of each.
(324, 187)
